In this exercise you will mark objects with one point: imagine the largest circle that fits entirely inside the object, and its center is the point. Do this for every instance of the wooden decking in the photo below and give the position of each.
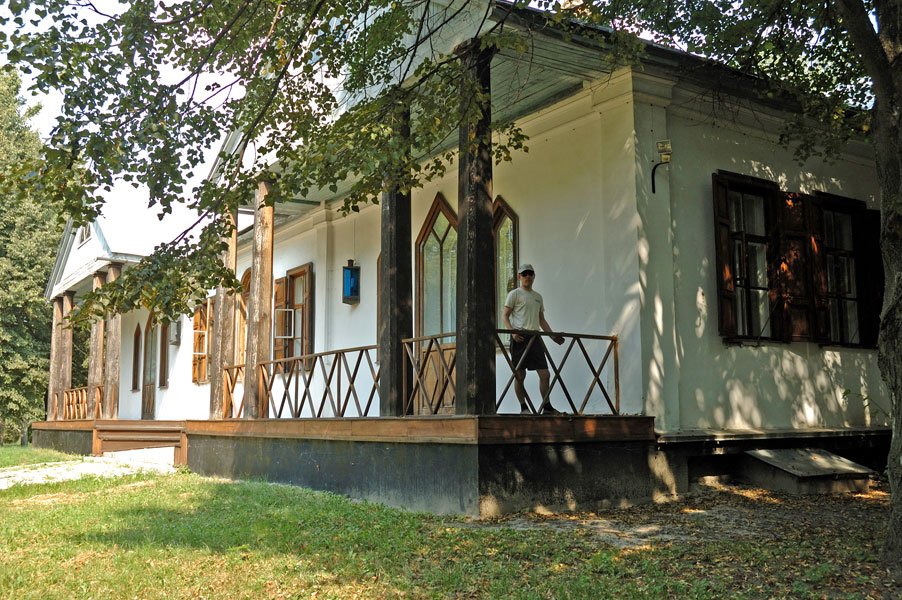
(495, 429)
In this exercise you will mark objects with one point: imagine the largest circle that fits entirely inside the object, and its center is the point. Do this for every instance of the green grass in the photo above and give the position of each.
(185, 536)
(14, 455)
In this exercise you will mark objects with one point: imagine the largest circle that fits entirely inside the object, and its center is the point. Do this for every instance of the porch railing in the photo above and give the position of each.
(231, 375)
(74, 403)
(338, 383)
(432, 361)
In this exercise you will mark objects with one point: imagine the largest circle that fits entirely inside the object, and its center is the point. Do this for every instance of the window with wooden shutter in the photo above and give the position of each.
(281, 331)
(853, 271)
(743, 208)
(795, 267)
(201, 342)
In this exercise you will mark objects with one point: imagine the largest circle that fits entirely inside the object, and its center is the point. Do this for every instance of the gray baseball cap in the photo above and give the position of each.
(525, 267)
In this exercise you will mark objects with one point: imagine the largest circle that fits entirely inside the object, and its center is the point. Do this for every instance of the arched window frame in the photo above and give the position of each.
(439, 206)
(501, 210)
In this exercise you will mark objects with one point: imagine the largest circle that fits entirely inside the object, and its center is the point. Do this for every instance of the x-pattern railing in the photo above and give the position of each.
(337, 372)
(231, 375)
(432, 364)
(576, 341)
(75, 403)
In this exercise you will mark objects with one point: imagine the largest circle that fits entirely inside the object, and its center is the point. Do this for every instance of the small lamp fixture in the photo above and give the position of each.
(665, 152)
(351, 283)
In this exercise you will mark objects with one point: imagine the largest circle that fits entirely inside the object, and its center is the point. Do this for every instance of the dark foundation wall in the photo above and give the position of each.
(63, 440)
(587, 476)
(439, 478)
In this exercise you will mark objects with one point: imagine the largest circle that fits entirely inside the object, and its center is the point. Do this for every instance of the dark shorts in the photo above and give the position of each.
(535, 358)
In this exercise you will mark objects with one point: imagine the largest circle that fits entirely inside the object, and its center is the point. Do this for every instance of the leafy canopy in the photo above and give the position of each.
(313, 92)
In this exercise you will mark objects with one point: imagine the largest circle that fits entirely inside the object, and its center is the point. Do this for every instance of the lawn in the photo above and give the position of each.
(14, 455)
(186, 536)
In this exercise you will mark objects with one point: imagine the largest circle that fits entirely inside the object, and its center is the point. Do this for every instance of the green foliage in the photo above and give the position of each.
(15, 455)
(29, 231)
(317, 93)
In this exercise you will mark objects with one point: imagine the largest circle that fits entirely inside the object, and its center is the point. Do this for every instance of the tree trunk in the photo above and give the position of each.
(888, 146)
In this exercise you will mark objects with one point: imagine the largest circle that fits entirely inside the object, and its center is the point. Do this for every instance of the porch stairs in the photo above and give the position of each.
(118, 436)
(803, 471)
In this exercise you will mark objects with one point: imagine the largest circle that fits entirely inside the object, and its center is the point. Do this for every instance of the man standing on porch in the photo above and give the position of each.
(524, 309)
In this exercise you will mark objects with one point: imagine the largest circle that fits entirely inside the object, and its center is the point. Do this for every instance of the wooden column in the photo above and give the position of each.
(396, 302)
(113, 346)
(65, 366)
(475, 385)
(223, 341)
(95, 357)
(54, 375)
(259, 306)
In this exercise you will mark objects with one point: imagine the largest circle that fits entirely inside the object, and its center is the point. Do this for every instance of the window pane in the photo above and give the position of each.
(441, 225)
(432, 286)
(300, 282)
(741, 315)
(757, 265)
(851, 310)
(836, 327)
(735, 202)
(830, 240)
(737, 263)
(449, 283)
(504, 263)
(760, 314)
(843, 231)
(753, 212)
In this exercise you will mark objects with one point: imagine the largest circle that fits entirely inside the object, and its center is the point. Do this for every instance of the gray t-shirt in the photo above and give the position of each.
(526, 306)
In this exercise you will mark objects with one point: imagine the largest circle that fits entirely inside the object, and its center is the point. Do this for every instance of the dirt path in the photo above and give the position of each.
(90, 466)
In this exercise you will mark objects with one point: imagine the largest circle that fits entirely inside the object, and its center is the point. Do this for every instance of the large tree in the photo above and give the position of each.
(314, 87)
(29, 230)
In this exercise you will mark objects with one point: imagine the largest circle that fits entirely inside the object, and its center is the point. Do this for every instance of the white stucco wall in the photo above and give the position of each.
(611, 258)
(694, 380)
(181, 399)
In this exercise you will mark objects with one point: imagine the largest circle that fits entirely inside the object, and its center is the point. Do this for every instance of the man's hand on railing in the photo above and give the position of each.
(558, 339)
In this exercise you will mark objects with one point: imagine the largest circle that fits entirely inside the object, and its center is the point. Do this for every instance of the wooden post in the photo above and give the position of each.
(95, 358)
(65, 381)
(396, 303)
(223, 342)
(113, 346)
(54, 375)
(259, 306)
(475, 385)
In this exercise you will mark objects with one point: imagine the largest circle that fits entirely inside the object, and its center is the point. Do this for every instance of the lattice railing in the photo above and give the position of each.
(231, 376)
(338, 383)
(556, 367)
(74, 403)
(431, 361)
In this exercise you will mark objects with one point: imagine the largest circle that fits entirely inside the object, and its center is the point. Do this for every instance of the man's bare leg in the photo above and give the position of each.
(520, 390)
(544, 378)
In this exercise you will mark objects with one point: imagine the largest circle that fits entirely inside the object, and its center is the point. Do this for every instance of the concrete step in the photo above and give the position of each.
(803, 471)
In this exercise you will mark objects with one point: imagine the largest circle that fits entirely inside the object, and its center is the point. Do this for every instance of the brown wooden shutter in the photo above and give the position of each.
(198, 366)
(280, 323)
(869, 274)
(724, 277)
